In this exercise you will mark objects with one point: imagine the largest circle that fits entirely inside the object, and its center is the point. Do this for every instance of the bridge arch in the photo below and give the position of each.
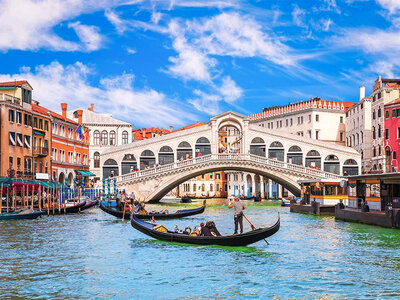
(286, 181)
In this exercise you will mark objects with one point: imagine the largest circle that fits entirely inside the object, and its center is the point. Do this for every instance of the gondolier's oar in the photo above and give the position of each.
(253, 227)
(123, 214)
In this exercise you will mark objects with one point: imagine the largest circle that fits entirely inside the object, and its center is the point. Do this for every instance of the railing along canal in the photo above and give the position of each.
(229, 157)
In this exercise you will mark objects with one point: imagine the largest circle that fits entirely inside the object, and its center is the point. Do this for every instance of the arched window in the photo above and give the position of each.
(147, 159)
(211, 187)
(194, 187)
(104, 137)
(165, 155)
(96, 137)
(112, 138)
(128, 164)
(96, 159)
(257, 147)
(276, 151)
(125, 137)
(202, 147)
(110, 168)
(332, 164)
(350, 167)
(295, 156)
(184, 151)
(203, 187)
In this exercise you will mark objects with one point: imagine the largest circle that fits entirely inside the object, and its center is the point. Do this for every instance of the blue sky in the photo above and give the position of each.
(174, 62)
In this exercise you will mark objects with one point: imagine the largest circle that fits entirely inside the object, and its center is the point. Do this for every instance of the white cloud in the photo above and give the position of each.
(229, 90)
(207, 103)
(298, 16)
(131, 51)
(384, 68)
(28, 24)
(392, 6)
(119, 24)
(89, 36)
(57, 83)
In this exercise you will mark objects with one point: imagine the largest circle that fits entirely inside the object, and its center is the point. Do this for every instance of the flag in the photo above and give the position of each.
(86, 132)
(79, 131)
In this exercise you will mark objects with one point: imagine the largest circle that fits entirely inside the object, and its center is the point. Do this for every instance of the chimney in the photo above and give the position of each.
(144, 132)
(362, 92)
(80, 113)
(64, 110)
(171, 128)
(91, 107)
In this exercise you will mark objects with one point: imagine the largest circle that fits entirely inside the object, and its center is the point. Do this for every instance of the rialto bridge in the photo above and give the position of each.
(155, 166)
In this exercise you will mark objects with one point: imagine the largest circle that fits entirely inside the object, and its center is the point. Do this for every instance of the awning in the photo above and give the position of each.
(86, 173)
(37, 132)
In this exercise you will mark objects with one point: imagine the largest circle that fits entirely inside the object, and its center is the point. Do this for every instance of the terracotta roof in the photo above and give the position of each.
(191, 126)
(13, 83)
(44, 111)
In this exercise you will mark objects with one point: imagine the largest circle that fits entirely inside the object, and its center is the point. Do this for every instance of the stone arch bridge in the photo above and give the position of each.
(155, 166)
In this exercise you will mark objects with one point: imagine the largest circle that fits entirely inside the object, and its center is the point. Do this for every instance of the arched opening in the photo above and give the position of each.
(61, 178)
(96, 160)
(147, 159)
(203, 187)
(184, 151)
(96, 137)
(230, 137)
(332, 164)
(110, 168)
(128, 164)
(112, 138)
(295, 156)
(125, 137)
(350, 167)
(313, 159)
(202, 147)
(276, 151)
(194, 188)
(70, 179)
(257, 187)
(257, 147)
(165, 155)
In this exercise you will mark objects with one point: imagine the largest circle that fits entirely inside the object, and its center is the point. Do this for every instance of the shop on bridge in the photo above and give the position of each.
(377, 190)
(324, 191)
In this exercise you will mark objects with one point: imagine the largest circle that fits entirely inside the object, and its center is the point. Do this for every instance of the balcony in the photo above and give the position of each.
(40, 151)
(10, 99)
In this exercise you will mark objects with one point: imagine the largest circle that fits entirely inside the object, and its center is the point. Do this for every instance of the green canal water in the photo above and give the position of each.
(94, 255)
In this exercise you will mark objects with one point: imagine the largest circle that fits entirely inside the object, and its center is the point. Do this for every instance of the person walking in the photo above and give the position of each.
(238, 216)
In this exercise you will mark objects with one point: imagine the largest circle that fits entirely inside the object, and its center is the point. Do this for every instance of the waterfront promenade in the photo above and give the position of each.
(310, 257)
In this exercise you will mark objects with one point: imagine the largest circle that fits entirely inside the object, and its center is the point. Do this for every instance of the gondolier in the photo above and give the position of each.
(238, 216)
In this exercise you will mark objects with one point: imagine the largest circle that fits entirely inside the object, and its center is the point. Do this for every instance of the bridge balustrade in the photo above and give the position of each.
(228, 157)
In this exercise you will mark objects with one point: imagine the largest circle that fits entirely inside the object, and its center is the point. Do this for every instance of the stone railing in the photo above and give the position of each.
(267, 162)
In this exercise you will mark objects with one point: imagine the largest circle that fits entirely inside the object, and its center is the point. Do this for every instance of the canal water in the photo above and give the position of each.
(94, 255)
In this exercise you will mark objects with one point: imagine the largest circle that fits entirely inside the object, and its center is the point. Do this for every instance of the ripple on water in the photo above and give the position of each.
(94, 255)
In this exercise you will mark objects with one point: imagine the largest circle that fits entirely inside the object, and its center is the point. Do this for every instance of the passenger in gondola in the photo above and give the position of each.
(118, 199)
(205, 230)
(213, 229)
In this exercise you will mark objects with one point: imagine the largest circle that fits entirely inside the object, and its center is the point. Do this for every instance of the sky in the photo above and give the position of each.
(175, 62)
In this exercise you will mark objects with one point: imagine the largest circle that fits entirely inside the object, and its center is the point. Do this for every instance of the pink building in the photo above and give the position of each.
(392, 135)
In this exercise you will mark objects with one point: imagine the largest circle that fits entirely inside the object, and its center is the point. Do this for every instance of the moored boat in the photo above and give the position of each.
(242, 239)
(24, 214)
(68, 208)
(177, 214)
(90, 203)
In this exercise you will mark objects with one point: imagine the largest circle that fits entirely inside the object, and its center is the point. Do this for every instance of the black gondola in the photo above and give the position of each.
(177, 214)
(90, 204)
(242, 239)
(186, 200)
(68, 210)
(24, 214)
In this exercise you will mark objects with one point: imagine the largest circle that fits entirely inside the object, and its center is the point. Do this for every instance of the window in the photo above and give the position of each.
(394, 154)
(112, 138)
(373, 151)
(309, 118)
(40, 123)
(379, 150)
(12, 139)
(20, 142)
(398, 132)
(25, 119)
(341, 136)
(18, 163)
(379, 131)
(10, 161)
(27, 141)
(317, 118)
(217, 176)
(373, 115)
(96, 137)
(373, 133)
(287, 122)
(393, 113)
(341, 119)
(386, 134)
(11, 115)
(379, 95)
(387, 114)
(125, 137)
(317, 134)
(35, 122)
(104, 137)
(26, 96)
(46, 125)
(96, 158)
(19, 117)
(309, 134)
(379, 112)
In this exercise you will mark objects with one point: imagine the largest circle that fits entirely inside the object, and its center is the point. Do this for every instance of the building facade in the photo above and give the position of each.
(316, 119)
(213, 185)
(69, 151)
(392, 135)
(105, 132)
(359, 129)
(26, 134)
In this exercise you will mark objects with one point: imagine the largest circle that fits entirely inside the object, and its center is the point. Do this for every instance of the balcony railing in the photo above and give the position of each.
(40, 151)
(10, 99)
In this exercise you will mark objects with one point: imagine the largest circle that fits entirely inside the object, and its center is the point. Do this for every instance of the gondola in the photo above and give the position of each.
(242, 239)
(177, 214)
(90, 204)
(69, 209)
(25, 214)
(186, 200)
